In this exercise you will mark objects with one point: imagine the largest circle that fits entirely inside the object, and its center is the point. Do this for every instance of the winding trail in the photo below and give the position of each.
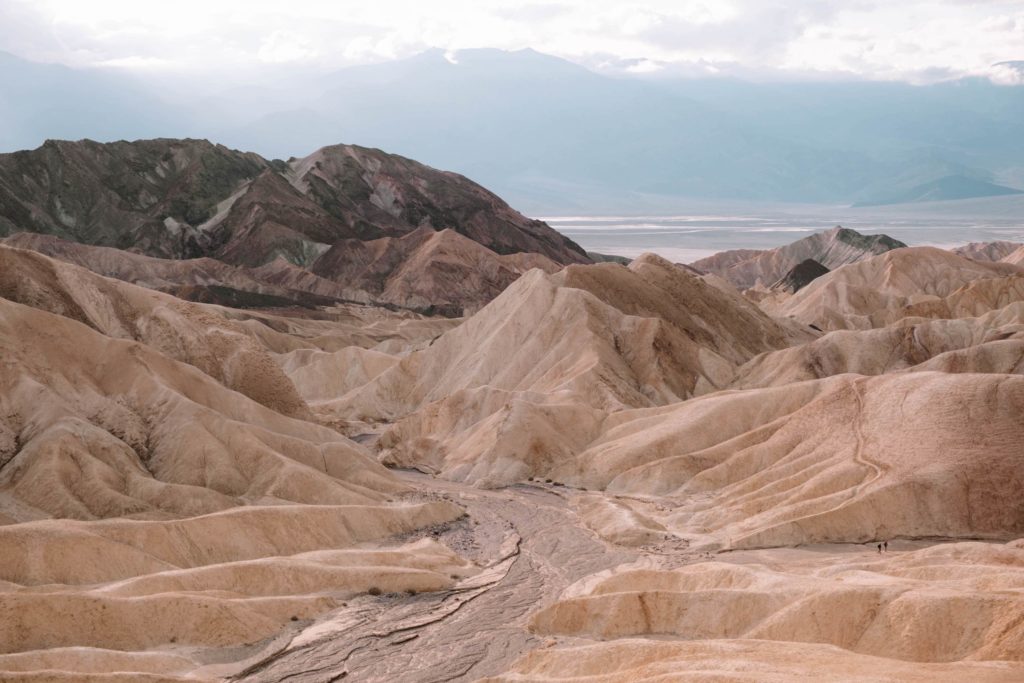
(858, 431)
(533, 547)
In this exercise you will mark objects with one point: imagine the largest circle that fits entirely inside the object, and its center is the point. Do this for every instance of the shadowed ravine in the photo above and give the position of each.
(534, 546)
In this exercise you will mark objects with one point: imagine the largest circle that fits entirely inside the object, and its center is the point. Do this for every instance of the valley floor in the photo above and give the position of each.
(536, 549)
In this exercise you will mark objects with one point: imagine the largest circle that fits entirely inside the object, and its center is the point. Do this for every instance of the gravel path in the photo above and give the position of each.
(533, 546)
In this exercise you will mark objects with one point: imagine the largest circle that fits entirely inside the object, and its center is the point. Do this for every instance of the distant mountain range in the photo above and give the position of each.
(550, 135)
(945, 189)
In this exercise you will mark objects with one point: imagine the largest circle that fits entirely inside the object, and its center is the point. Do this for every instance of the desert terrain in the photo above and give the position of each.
(348, 417)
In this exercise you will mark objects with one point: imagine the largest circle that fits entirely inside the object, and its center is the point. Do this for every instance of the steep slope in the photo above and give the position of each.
(1016, 257)
(189, 199)
(514, 388)
(993, 342)
(846, 459)
(914, 282)
(381, 194)
(442, 271)
(987, 251)
(203, 337)
(799, 276)
(831, 248)
(204, 518)
(148, 195)
(271, 219)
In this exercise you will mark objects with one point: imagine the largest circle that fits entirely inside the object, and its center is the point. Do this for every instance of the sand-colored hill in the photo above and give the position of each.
(1015, 257)
(514, 388)
(278, 284)
(533, 337)
(427, 270)
(775, 616)
(437, 272)
(156, 437)
(734, 661)
(747, 268)
(204, 518)
(987, 251)
(993, 342)
(200, 336)
(193, 509)
(843, 459)
(912, 282)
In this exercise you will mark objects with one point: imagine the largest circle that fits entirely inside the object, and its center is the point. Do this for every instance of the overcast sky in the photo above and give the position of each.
(910, 40)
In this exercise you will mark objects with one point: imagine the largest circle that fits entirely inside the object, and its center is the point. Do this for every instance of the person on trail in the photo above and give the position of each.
(879, 548)
(885, 544)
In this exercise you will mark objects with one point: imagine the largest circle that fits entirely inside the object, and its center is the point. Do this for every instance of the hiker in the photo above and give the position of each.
(885, 544)
(879, 548)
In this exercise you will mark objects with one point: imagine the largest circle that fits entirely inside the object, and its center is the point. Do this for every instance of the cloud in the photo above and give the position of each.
(285, 46)
(1007, 73)
(913, 40)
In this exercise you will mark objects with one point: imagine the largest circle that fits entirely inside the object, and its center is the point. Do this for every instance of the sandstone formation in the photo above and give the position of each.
(832, 248)
(433, 272)
(606, 472)
(442, 272)
(988, 251)
(152, 460)
(514, 389)
(769, 619)
(1015, 257)
(923, 282)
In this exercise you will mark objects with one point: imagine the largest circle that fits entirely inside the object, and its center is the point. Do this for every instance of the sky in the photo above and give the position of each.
(908, 40)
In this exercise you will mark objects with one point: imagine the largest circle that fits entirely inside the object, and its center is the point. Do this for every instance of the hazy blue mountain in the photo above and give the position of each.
(550, 135)
(49, 101)
(945, 189)
(523, 122)
(545, 132)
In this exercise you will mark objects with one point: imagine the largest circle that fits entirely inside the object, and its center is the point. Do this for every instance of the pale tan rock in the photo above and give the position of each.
(523, 384)
(914, 282)
(748, 268)
(988, 251)
(734, 661)
(992, 342)
(909, 606)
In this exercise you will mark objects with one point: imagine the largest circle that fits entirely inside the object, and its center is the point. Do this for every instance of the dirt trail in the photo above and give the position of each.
(534, 546)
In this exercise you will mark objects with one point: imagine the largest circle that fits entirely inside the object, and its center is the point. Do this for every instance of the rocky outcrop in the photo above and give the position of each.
(799, 276)
(185, 198)
(361, 218)
(379, 194)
